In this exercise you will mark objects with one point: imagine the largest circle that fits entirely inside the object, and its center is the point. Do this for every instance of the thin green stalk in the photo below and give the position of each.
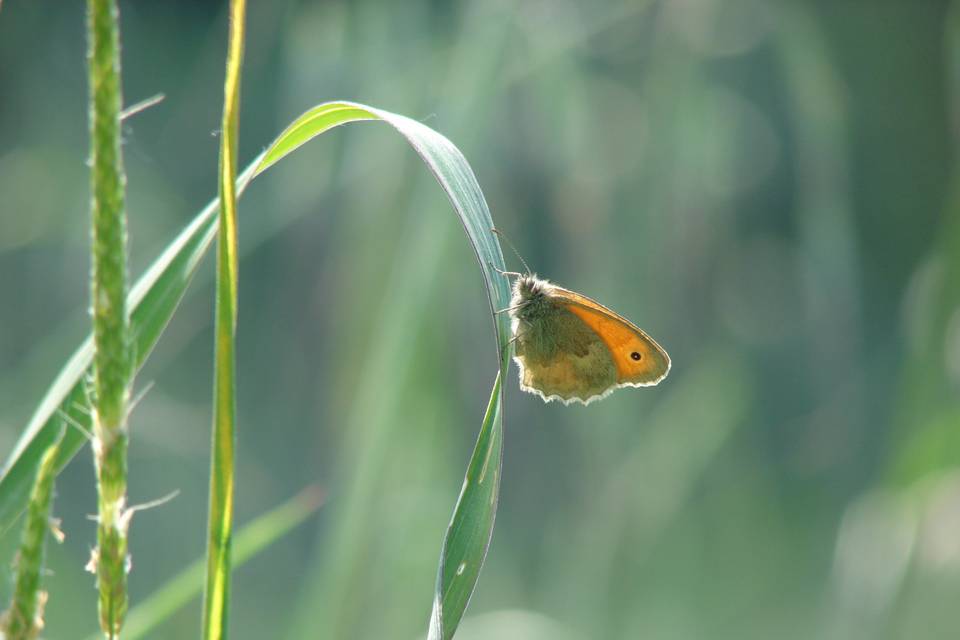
(220, 524)
(24, 619)
(112, 361)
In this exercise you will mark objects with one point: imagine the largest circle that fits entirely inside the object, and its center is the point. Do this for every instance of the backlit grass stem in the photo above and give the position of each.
(112, 359)
(220, 526)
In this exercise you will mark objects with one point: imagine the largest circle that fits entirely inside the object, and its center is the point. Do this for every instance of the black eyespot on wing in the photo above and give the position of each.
(635, 355)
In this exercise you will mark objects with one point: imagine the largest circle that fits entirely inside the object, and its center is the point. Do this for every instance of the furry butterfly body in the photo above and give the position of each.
(573, 349)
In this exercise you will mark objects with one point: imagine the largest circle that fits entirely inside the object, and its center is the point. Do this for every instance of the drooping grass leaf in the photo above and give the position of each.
(468, 535)
(449, 167)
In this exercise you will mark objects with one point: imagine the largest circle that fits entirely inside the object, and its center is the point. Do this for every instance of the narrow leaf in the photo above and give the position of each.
(468, 536)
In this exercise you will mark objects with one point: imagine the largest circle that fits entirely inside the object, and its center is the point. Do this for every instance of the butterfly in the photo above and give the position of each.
(573, 349)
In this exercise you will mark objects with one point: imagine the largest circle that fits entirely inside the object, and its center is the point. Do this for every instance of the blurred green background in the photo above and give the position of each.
(768, 188)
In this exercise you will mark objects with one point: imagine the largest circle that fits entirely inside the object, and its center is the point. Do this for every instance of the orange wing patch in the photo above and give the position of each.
(638, 358)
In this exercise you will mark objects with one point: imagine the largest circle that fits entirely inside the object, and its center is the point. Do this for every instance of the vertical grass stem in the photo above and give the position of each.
(220, 524)
(112, 356)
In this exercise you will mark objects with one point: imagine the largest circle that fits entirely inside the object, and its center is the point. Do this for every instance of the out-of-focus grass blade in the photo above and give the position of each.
(249, 541)
(155, 297)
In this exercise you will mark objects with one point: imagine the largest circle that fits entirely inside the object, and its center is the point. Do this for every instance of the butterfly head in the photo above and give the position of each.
(530, 297)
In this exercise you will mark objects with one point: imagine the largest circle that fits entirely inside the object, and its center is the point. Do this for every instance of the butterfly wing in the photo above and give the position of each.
(561, 358)
(639, 360)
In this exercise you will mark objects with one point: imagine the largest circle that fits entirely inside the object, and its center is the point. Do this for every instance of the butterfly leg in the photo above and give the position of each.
(512, 340)
(516, 337)
(513, 308)
(505, 273)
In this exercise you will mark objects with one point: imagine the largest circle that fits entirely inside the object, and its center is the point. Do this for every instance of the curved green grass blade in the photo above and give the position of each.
(156, 294)
(468, 535)
(447, 164)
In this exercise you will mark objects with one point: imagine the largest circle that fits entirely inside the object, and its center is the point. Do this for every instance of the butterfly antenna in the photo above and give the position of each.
(514, 249)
